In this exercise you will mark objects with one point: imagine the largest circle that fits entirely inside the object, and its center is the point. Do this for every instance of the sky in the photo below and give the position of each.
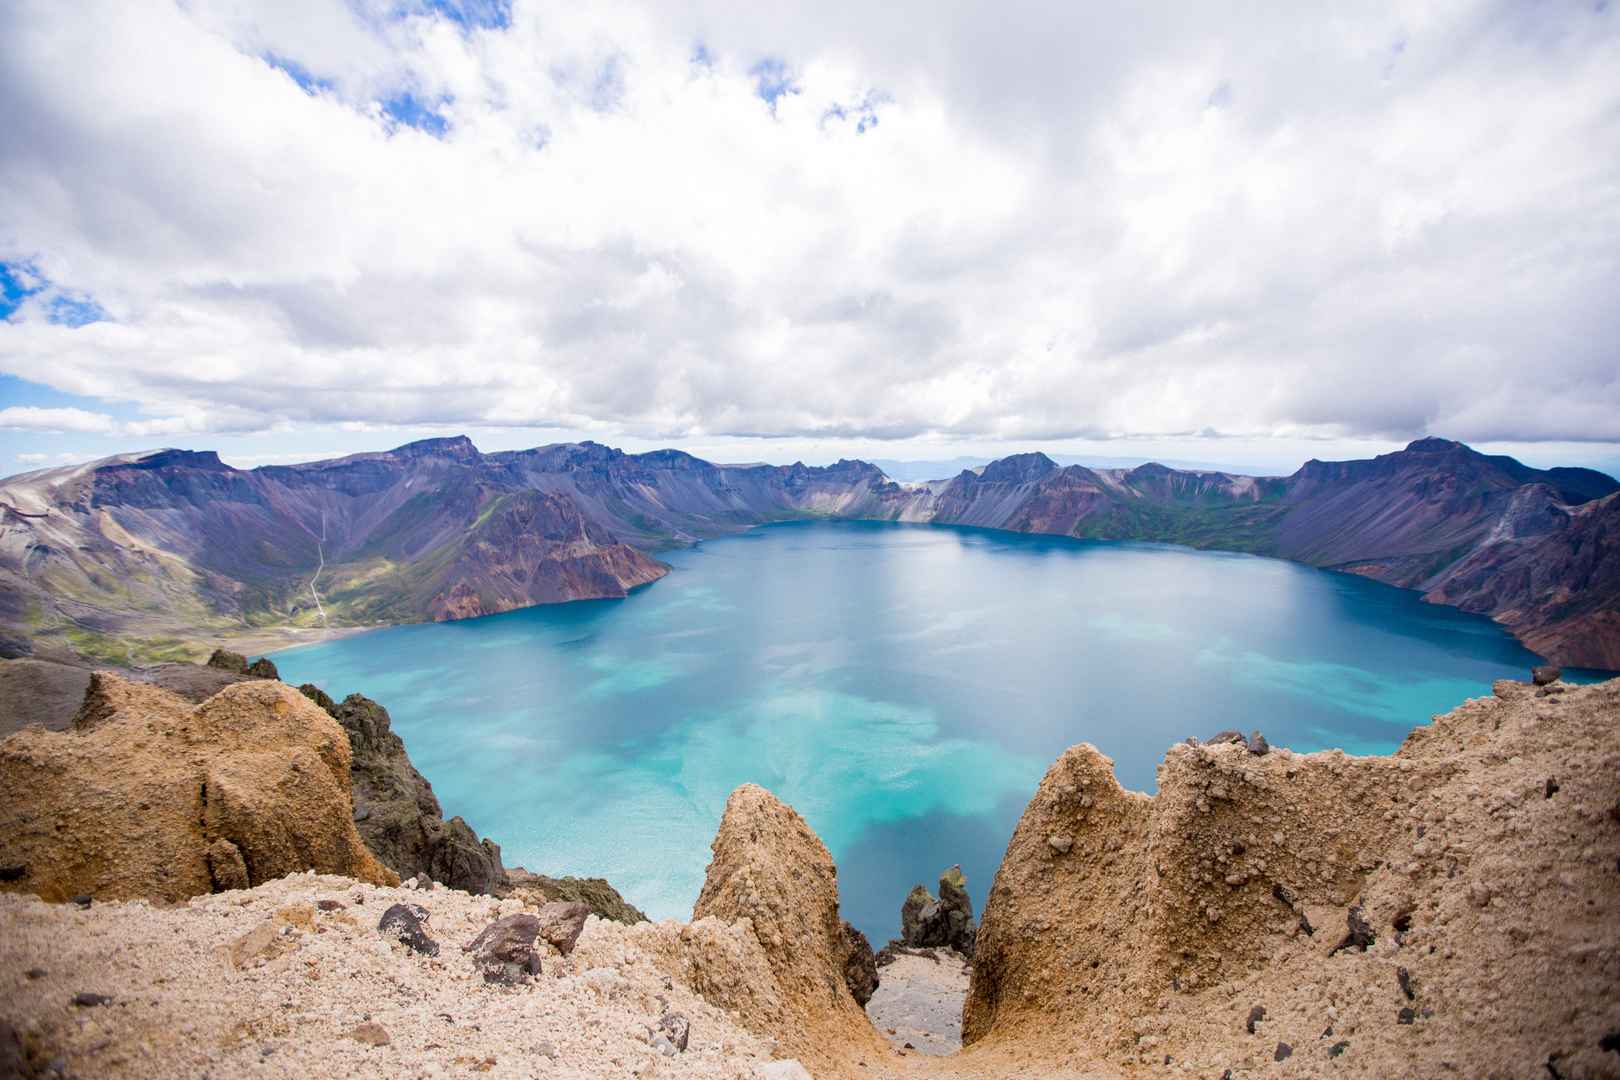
(1239, 234)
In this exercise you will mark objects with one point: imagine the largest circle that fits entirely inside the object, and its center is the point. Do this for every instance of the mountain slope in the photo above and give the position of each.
(131, 557)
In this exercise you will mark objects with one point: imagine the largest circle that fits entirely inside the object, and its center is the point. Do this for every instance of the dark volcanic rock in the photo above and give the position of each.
(1359, 932)
(595, 893)
(948, 921)
(408, 923)
(396, 811)
(1257, 745)
(504, 950)
(860, 965)
(263, 668)
(1546, 675)
(918, 900)
(225, 660)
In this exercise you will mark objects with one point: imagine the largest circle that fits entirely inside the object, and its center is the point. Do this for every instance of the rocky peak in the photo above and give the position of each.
(455, 447)
(1018, 469)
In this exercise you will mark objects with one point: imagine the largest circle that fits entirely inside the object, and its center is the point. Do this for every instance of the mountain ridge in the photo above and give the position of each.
(166, 544)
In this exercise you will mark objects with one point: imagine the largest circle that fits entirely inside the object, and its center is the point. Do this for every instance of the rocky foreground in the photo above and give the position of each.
(1450, 910)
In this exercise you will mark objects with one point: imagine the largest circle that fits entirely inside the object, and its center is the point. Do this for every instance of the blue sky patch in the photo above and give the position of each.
(407, 109)
(307, 81)
(18, 282)
(772, 80)
(864, 114)
(74, 311)
(468, 14)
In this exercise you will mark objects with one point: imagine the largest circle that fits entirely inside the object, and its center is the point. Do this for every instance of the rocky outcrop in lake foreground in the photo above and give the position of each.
(129, 559)
(1452, 909)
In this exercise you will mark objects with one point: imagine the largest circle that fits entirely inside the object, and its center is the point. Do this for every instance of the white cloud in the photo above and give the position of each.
(33, 459)
(31, 418)
(1069, 221)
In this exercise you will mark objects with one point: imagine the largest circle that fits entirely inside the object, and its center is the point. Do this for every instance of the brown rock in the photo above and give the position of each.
(256, 766)
(371, 1034)
(561, 923)
(1546, 674)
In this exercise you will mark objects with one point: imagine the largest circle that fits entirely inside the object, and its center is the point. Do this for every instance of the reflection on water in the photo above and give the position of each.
(903, 687)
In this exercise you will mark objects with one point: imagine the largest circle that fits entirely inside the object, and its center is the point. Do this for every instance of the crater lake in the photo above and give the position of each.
(903, 687)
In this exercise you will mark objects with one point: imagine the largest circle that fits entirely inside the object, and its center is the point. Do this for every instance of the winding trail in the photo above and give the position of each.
(320, 551)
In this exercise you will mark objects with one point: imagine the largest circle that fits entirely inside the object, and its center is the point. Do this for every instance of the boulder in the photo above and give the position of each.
(135, 799)
(504, 950)
(407, 924)
(1546, 675)
(395, 808)
(561, 922)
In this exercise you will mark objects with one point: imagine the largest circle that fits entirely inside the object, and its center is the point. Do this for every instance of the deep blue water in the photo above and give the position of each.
(903, 687)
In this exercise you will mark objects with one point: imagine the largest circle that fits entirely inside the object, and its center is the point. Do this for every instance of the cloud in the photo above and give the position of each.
(32, 418)
(33, 459)
(1020, 221)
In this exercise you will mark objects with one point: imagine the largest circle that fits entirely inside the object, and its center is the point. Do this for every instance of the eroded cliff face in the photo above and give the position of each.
(149, 796)
(1452, 909)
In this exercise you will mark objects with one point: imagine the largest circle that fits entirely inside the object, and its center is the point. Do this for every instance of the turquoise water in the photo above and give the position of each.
(903, 687)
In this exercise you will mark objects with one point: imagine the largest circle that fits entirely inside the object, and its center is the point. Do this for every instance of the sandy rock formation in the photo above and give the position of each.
(150, 796)
(765, 939)
(395, 809)
(1453, 909)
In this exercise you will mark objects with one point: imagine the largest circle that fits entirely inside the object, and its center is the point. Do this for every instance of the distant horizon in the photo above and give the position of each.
(902, 470)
